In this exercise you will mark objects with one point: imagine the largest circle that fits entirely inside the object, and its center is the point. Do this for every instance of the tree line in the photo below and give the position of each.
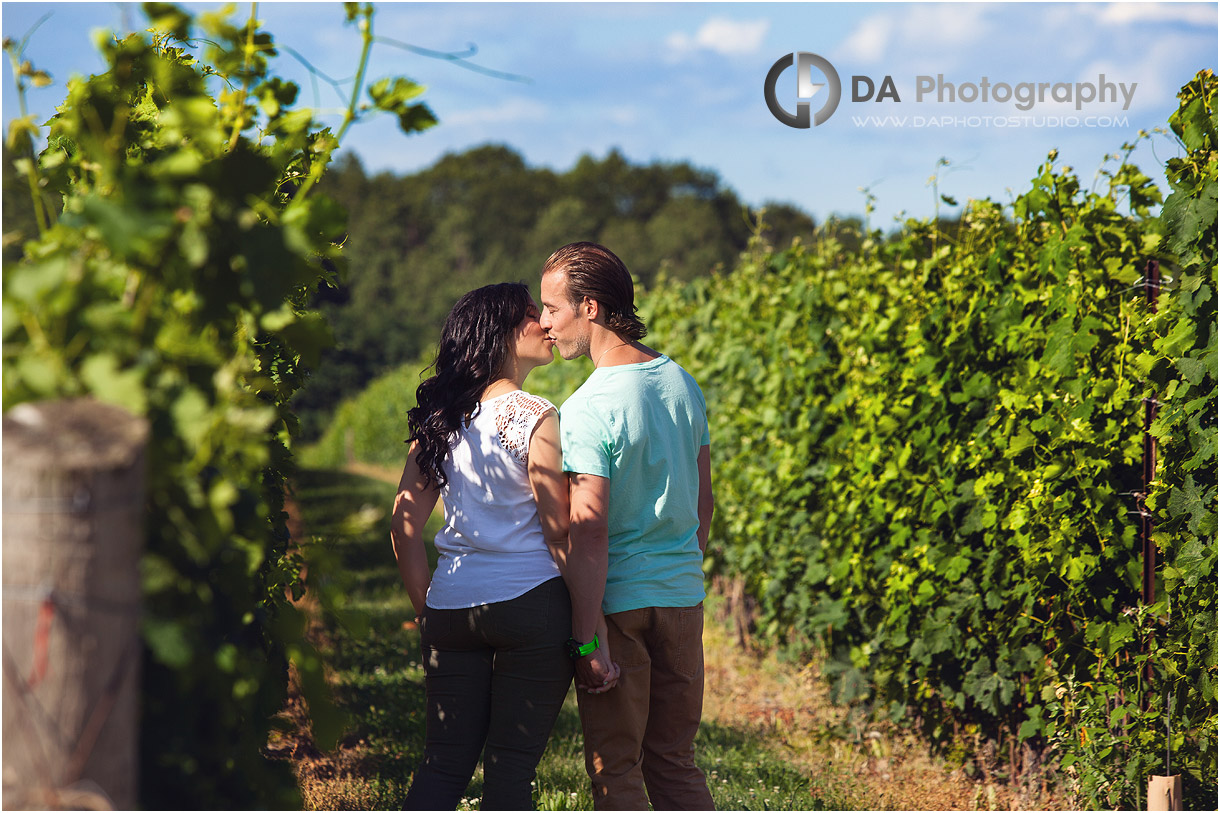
(417, 242)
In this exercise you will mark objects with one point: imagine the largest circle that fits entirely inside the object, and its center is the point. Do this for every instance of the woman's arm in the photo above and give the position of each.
(413, 506)
(550, 485)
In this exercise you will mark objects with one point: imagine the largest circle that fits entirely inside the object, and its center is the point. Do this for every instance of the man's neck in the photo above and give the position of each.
(613, 350)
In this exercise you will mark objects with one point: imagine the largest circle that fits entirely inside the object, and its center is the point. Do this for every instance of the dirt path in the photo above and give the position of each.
(385, 474)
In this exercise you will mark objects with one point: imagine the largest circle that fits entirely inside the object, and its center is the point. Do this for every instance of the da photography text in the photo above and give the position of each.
(817, 83)
(1023, 95)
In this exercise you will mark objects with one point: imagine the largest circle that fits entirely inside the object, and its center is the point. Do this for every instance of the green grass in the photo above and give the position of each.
(378, 679)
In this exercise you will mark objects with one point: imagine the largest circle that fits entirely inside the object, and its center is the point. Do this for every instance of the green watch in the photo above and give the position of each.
(579, 650)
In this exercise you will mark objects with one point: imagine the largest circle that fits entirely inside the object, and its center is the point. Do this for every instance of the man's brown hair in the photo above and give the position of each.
(595, 272)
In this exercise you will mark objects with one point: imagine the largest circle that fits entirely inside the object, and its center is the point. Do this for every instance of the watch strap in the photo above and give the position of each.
(579, 650)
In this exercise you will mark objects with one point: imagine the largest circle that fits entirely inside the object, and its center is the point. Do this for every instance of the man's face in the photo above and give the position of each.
(565, 324)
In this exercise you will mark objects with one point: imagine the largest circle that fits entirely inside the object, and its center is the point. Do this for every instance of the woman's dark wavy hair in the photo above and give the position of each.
(475, 344)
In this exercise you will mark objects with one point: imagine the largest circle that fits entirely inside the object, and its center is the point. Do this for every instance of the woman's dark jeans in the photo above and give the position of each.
(496, 675)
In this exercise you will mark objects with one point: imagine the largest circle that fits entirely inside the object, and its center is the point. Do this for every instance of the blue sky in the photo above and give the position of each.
(684, 82)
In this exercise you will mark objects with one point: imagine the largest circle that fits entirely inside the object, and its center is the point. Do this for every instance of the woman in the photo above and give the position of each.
(496, 614)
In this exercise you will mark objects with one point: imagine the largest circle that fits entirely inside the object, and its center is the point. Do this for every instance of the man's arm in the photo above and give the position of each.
(588, 559)
(707, 503)
(590, 553)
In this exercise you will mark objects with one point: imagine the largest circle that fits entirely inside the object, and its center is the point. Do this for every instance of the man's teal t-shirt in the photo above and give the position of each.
(641, 426)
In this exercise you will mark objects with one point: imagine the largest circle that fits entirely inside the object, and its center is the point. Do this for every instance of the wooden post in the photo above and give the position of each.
(1165, 792)
(74, 510)
(1152, 289)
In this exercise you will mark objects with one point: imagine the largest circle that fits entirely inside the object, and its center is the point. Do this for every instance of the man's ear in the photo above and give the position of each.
(590, 308)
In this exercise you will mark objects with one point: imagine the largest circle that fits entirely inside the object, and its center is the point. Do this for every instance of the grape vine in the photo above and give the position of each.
(179, 241)
(927, 452)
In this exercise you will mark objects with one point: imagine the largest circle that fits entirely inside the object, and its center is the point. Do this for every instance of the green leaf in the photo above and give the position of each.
(309, 335)
(956, 567)
(129, 232)
(193, 243)
(30, 283)
(1193, 370)
(1058, 355)
(1194, 124)
(1195, 561)
(416, 119)
(168, 642)
(169, 18)
(392, 94)
(1180, 340)
(1187, 501)
(21, 134)
(939, 638)
(190, 413)
(108, 381)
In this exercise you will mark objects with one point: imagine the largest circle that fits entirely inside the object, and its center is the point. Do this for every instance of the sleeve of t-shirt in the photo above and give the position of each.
(583, 440)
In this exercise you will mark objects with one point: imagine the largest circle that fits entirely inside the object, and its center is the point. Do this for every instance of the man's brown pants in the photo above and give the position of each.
(641, 733)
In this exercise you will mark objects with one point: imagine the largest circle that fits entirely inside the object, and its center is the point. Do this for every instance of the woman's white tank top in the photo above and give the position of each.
(492, 547)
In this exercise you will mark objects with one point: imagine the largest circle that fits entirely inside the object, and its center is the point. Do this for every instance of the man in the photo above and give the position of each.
(635, 446)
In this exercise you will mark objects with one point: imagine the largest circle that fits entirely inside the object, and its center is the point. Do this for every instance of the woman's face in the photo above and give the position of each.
(531, 344)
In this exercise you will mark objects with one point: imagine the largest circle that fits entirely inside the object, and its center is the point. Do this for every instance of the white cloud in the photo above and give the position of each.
(947, 25)
(935, 28)
(1151, 73)
(870, 40)
(722, 36)
(1127, 13)
(623, 115)
(507, 112)
(1150, 84)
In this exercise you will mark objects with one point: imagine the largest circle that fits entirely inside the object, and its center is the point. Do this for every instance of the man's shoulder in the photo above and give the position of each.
(586, 404)
(677, 374)
(677, 369)
(580, 396)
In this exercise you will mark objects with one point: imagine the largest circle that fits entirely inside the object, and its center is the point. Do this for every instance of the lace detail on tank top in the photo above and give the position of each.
(516, 416)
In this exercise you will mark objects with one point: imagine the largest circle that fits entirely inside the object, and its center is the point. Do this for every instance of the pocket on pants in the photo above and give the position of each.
(434, 626)
(627, 630)
(689, 660)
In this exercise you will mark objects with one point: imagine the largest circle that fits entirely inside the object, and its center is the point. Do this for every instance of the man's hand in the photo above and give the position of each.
(596, 673)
